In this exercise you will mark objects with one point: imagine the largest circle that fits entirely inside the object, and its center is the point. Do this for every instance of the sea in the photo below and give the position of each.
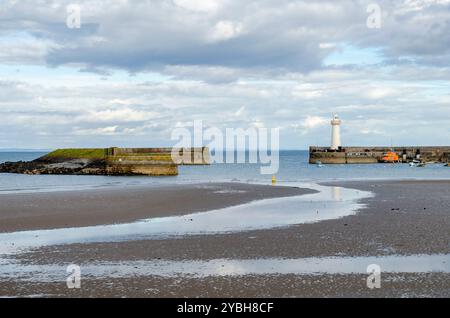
(293, 167)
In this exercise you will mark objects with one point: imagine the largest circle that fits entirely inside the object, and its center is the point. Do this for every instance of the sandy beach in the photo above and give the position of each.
(402, 218)
(32, 211)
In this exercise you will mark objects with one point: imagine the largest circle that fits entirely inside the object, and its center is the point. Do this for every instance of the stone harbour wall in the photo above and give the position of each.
(360, 155)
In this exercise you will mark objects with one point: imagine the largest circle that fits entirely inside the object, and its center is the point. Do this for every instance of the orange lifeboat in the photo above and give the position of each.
(390, 157)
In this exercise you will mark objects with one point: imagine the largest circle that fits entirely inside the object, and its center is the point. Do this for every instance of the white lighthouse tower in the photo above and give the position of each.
(335, 133)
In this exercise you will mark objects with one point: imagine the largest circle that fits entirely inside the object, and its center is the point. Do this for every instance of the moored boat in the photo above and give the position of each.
(390, 157)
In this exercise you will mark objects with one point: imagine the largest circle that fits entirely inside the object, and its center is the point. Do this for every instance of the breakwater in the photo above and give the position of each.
(358, 155)
(152, 161)
(111, 161)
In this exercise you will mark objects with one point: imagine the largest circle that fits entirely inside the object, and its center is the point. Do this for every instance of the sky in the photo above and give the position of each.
(135, 70)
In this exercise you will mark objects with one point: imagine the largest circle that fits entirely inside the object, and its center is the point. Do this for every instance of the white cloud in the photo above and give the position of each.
(119, 115)
(327, 45)
(205, 6)
(379, 92)
(225, 30)
(105, 131)
(19, 50)
(314, 121)
(307, 91)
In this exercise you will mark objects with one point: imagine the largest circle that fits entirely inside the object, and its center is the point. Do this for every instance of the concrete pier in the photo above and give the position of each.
(111, 161)
(152, 161)
(359, 155)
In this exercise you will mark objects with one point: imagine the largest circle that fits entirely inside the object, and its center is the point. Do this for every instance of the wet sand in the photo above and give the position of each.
(31, 211)
(404, 218)
(267, 286)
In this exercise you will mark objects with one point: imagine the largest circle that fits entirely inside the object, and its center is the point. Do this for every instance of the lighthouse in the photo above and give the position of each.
(335, 133)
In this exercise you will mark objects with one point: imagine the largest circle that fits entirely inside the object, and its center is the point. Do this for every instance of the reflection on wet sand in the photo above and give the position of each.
(233, 267)
(328, 203)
